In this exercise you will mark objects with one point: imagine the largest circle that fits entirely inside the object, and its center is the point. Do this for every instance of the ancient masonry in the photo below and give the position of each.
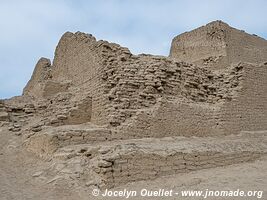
(113, 117)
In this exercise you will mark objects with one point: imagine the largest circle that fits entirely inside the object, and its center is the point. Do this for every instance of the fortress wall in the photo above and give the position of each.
(121, 85)
(140, 81)
(136, 83)
(217, 45)
(77, 60)
(41, 73)
(183, 114)
(87, 64)
(243, 47)
(205, 45)
(159, 97)
(143, 165)
(174, 118)
(247, 111)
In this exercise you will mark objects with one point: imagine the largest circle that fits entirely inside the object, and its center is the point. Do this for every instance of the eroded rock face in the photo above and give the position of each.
(91, 109)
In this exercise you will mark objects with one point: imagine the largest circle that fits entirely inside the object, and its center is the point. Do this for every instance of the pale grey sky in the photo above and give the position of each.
(30, 29)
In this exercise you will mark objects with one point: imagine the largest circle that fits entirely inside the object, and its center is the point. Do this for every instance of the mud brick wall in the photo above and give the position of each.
(145, 95)
(82, 60)
(77, 60)
(120, 83)
(41, 73)
(217, 45)
(172, 118)
(138, 166)
(237, 103)
(247, 111)
(245, 47)
(205, 45)
(193, 109)
(138, 82)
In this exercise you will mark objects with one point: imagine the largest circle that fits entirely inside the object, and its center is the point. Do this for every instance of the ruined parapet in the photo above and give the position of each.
(41, 74)
(110, 86)
(83, 60)
(75, 58)
(218, 45)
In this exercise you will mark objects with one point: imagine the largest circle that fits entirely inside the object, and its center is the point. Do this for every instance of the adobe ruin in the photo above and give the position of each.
(213, 84)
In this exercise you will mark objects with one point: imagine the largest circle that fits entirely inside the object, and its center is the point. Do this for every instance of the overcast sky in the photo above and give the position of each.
(30, 29)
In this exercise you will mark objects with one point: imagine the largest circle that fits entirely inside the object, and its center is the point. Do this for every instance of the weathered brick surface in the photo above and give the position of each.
(248, 110)
(103, 114)
(144, 95)
(116, 163)
(217, 45)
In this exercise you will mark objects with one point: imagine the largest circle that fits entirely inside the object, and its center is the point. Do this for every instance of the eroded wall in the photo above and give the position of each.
(145, 95)
(217, 45)
(248, 109)
(205, 45)
(82, 61)
(41, 74)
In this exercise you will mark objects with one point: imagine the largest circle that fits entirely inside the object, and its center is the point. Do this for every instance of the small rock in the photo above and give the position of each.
(90, 183)
(104, 164)
(4, 116)
(104, 150)
(18, 133)
(36, 174)
(54, 179)
(36, 129)
(16, 125)
(62, 117)
(29, 110)
(54, 121)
